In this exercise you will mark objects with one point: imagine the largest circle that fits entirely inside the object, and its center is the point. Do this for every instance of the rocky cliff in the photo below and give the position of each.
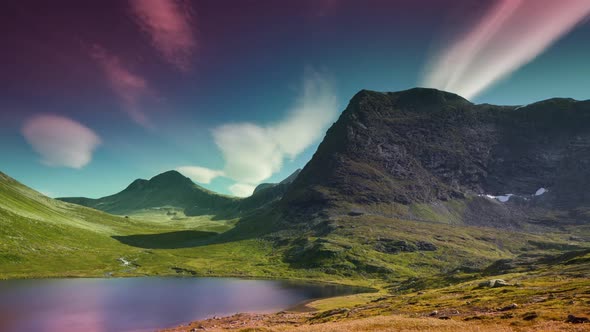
(429, 154)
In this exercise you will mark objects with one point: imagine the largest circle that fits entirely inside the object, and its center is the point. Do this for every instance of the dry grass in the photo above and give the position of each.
(398, 323)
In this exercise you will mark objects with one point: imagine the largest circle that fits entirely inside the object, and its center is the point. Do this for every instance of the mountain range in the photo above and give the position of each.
(413, 184)
(419, 154)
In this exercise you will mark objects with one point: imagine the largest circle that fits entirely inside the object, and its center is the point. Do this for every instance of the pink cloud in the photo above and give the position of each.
(129, 87)
(60, 141)
(169, 24)
(511, 34)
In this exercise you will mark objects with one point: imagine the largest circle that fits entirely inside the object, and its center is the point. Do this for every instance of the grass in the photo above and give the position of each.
(550, 272)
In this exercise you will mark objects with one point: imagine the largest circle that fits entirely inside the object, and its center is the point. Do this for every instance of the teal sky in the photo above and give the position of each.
(242, 90)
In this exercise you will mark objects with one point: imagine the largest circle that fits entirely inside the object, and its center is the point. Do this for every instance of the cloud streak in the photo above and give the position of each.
(253, 153)
(511, 34)
(60, 141)
(200, 174)
(169, 25)
(129, 87)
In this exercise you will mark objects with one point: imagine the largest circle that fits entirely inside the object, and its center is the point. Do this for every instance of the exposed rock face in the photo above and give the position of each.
(288, 180)
(424, 146)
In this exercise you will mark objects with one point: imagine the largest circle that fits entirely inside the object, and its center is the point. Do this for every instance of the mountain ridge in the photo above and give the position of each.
(173, 189)
(423, 149)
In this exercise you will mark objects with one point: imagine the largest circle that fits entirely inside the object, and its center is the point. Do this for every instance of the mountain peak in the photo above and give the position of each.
(427, 96)
(170, 178)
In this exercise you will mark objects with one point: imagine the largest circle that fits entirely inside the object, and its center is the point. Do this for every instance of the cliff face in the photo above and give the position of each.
(424, 146)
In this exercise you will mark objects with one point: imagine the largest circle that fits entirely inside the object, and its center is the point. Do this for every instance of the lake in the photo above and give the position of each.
(143, 304)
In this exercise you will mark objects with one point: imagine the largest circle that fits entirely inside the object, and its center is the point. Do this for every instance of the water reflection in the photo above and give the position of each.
(142, 304)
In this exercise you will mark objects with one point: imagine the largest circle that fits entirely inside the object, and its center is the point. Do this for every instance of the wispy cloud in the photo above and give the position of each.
(60, 141)
(511, 34)
(170, 26)
(199, 174)
(253, 153)
(129, 87)
(242, 189)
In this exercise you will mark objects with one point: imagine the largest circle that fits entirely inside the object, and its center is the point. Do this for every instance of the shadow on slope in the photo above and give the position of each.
(168, 240)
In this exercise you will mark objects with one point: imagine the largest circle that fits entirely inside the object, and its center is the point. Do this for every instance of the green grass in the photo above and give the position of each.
(549, 273)
(42, 237)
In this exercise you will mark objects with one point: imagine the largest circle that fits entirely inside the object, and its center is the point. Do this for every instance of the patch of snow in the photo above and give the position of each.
(504, 198)
(124, 261)
(501, 198)
(521, 106)
(540, 192)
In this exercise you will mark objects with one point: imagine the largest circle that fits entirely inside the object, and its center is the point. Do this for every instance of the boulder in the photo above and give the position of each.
(493, 283)
(577, 320)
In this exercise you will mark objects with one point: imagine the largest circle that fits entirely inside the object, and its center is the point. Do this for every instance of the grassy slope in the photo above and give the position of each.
(41, 237)
(45, 237)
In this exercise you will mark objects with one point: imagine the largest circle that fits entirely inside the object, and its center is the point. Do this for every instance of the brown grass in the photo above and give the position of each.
(291, 323)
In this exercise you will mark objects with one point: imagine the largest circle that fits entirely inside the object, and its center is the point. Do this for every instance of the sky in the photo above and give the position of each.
(95, 94)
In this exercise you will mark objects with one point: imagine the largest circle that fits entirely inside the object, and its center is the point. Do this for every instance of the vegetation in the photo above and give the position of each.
(417, 267)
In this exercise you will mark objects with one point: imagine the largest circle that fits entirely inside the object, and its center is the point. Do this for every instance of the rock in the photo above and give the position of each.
(444, 317)
(467, 319)
(577, 320)
(330, 313)
(355, 213)
(509, 307)
(530, 315)
(426, 246)
(434, 313)
(494, 283)
(391, 246)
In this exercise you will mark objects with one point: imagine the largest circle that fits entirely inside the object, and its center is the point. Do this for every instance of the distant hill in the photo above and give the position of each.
(167, 189)
(175, 190)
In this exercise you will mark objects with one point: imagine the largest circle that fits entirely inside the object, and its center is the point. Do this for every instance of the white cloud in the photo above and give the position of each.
(252, 152)
(242, 189)
(60, 141)
(199, 174)
(509, 36)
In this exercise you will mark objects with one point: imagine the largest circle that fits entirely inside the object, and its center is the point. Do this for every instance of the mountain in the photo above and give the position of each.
(172, 189)
(167, 189)
(42, 237)
(288, 180)
(425, 154)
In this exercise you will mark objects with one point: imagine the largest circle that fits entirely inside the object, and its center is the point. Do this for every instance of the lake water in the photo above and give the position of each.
(143, 304)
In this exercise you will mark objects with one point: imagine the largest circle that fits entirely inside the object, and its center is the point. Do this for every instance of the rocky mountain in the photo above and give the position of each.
(288, 180)
(425, 154)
